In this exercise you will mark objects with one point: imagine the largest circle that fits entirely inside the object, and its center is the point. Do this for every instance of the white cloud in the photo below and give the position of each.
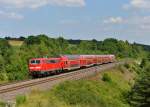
(114, 20)
(134, 23)
(40, 3)
(10, 15)
(139, 4)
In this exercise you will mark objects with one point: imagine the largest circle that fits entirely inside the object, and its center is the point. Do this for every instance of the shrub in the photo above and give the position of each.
(79, 93)
(127, 65)
(3, 76)
(106, 77)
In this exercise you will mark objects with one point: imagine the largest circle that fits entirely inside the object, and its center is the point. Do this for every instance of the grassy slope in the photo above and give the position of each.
(94, 92)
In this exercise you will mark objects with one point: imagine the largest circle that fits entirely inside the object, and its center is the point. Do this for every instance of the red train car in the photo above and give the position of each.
(47, 66)
(87, 60)
(70, 62)
(102, 59)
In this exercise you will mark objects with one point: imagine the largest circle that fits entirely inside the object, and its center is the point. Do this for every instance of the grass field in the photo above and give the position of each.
(15, 42)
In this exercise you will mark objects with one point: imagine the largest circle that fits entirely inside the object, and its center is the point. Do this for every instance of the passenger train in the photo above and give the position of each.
(48, 66)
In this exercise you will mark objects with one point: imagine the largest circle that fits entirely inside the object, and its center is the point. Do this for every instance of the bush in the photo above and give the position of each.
(79, 93)
(106, 77)
(3, 76)
(127, 65)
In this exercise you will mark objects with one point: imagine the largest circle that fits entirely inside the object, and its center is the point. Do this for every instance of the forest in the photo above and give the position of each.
(14, 59)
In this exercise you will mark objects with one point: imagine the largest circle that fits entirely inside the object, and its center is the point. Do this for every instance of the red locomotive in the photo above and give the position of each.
(47, 66)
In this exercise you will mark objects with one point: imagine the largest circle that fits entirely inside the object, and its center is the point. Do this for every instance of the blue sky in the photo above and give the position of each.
(77, 19)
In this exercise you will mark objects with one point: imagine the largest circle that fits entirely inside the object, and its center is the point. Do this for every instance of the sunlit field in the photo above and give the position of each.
(15, 42)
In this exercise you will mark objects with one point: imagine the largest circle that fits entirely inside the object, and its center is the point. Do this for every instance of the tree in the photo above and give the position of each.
(32, 40)
(140, 94)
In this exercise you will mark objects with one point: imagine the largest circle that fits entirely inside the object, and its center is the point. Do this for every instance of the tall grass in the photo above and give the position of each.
(2, 104)
(20, 99)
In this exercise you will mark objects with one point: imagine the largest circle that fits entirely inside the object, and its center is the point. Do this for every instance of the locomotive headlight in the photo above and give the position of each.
(37, 67)
(31, 67)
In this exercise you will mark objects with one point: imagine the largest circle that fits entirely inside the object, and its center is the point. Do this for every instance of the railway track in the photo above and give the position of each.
(10, 91)
(13, 82)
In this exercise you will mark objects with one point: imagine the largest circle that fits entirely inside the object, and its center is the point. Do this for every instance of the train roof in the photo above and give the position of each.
(71, 57)
(43, 58)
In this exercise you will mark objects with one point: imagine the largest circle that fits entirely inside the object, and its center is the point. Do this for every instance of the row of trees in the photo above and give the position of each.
(14, 60)
(140, 94)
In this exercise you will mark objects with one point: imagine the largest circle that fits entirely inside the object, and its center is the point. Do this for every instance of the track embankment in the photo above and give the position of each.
(10, 91)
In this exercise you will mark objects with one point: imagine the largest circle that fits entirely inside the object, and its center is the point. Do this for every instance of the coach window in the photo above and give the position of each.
(37, 61)
(52, 61)
(66, 62)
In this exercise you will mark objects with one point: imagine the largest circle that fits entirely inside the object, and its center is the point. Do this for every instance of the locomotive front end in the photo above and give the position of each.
(35, 66)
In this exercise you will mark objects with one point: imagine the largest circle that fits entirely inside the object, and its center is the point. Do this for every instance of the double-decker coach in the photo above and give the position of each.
(87, 60)
(70, 62)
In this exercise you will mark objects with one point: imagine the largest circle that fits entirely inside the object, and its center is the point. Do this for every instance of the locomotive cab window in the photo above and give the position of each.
(35, 62)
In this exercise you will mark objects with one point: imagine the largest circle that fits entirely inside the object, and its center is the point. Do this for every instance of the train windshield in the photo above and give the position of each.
(35, 62)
